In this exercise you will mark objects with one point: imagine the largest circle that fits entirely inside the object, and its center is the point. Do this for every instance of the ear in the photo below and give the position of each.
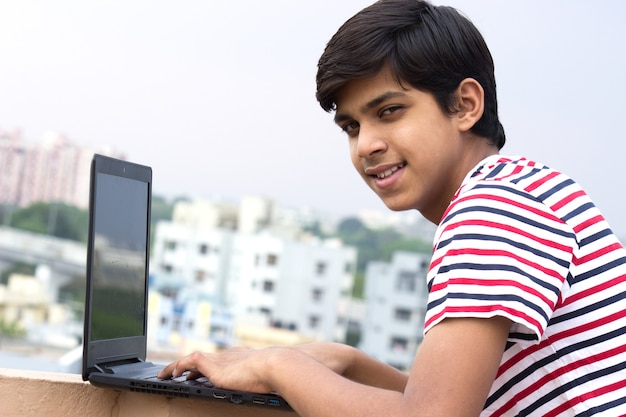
(471, 103)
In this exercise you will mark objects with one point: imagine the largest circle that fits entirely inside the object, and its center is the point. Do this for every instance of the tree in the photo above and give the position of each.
(375, 245)
(56, 219)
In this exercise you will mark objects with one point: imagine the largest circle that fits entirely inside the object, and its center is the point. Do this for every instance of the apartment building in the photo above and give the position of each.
(52, 170)
(395, 304)
(268, 274)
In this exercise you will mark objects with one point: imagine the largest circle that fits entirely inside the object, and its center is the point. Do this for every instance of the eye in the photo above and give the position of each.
(350, 127)
(389, 110)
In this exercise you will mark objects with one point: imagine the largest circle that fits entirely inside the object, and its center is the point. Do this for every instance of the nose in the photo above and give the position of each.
(369, 142)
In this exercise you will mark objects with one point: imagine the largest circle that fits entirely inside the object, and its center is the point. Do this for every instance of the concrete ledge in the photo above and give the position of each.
(36, 394)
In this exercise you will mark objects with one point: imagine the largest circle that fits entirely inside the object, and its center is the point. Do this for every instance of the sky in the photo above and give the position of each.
(218, 97)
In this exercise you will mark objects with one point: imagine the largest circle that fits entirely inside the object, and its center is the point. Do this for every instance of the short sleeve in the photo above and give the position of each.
(499, 252)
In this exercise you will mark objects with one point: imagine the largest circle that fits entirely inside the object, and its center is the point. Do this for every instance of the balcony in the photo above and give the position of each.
(36, 394)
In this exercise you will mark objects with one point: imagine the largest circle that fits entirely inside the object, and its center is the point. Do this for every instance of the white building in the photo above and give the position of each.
(302, 286)
(396, 296)
(267, 274)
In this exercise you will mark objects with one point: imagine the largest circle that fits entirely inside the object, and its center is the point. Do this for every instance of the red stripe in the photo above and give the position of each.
(505, 254)
(469, 310)
(541, 181)
(508, 201)
(595, 290)
(530, 389)
(508, 228)
(529, 351)
(589, 222)
(494, 283)
(600, 252)
(568, 199)
(587, 396)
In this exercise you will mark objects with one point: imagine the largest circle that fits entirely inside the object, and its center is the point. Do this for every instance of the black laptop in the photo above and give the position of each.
(114, 339)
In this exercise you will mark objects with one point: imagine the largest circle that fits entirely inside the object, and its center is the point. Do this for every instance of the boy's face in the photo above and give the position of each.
(402, 144)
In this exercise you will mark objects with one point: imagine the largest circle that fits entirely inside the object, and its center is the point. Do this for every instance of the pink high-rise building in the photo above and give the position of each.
(53, 170)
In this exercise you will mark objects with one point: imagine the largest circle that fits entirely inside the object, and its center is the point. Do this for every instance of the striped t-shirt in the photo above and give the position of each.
(524, 241)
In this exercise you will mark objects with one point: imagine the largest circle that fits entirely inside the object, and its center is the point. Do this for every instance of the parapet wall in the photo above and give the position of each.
(37, 394)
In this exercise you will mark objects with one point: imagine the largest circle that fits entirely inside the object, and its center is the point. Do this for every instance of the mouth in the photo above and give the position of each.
(389, 172)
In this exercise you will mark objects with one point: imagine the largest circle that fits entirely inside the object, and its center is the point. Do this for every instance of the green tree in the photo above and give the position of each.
(375, 245)
(56, 219)
(16, 268)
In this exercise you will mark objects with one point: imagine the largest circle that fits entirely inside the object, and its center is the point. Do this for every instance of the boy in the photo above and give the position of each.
(527, 282)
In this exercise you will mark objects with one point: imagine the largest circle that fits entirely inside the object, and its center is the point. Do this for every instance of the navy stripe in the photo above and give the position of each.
(555, 188)
(528, 371)
(509, 242)
(589, 308)
(495, 171)
(597, 271)
(528, 337)
(499, 267)
(532, 173)
(572, 384)
(603, 407)
(595, 237)
(577, 211)
(510, 215)
(500, 298)
(500, 186)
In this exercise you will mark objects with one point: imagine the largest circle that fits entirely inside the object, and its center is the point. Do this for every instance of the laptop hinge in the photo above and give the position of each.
(119, 366)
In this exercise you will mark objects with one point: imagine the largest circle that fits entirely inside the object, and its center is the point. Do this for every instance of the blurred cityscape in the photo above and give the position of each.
(222, 274)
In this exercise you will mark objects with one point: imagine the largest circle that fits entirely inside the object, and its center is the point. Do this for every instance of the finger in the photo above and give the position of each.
(195, 362)
(194, 375)
(166, 372)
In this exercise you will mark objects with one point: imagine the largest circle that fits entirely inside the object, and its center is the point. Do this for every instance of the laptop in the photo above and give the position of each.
(116, 300)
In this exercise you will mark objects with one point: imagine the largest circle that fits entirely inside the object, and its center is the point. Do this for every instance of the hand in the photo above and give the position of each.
(237, 368)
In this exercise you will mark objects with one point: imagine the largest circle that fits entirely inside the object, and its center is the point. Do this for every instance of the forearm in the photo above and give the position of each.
(355, 365)
(313, 389)
(366, 370)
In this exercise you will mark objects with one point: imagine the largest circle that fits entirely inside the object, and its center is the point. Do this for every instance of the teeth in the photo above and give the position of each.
(389, 172)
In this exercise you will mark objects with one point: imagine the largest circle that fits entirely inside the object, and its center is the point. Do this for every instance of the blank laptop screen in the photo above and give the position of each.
(119, 263)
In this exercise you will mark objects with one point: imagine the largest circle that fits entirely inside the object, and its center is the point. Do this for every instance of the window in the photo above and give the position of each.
(348, 268)
(317, 294)
(406, 281)
(203, 249)
(320, 268)
(170, 244)
(268, 286)
(167, 268)
(200, 275)
(399, 344)
(402, 314)
(314, 322)
(272, 259)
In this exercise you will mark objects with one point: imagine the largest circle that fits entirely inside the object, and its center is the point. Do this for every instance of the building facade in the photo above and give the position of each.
(53, 170)
(282, 280)
(395, 304)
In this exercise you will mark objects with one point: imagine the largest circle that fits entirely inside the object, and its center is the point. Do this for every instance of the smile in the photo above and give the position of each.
(390, 171)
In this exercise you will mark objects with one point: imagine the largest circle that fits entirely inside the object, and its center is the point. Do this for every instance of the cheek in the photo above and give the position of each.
(354, 156)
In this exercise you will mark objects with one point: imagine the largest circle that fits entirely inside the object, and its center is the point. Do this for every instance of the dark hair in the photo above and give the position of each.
(433, 48)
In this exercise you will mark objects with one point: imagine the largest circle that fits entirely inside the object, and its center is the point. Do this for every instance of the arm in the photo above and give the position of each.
(451, 376)
(355, 365)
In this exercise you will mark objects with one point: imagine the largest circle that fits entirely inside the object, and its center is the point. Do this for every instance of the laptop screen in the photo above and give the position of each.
(119, 263)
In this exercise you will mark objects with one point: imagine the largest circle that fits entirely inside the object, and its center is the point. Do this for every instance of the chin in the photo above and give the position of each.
(395, 205)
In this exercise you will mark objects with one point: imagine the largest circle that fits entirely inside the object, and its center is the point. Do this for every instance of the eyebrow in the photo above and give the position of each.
(376, 101)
